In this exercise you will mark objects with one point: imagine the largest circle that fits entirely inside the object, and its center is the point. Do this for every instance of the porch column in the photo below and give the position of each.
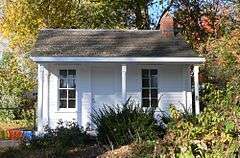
(45, 106)
(196, 89)
(124, 83)
(40, 99)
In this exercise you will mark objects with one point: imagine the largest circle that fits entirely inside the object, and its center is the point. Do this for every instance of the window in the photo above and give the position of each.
(67, 89)
(149, 88)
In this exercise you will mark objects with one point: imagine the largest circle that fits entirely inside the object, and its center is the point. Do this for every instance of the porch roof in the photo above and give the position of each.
(109, 43)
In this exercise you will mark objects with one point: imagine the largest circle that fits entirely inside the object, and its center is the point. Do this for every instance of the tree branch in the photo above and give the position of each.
(164, 12)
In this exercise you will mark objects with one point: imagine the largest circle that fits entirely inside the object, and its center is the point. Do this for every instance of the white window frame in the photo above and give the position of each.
(149, 88)
(67, 88)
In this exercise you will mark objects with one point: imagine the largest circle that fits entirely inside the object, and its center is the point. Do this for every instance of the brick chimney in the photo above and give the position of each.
(167, 25)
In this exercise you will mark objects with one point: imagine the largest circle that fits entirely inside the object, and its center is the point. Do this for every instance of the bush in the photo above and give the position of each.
(118, 125)
(57, 142)
(12, 153)
(213, 133)
(17, 83)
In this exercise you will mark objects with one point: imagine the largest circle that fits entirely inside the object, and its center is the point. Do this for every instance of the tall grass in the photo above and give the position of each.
(119, 125)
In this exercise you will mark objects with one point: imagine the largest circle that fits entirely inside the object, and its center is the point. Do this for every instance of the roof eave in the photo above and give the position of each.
(64, 59)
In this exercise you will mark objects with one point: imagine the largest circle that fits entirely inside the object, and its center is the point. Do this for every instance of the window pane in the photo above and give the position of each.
(154, 82)
(153, 72)
(145, 83)
(154, 93)
(71, 104)
(71, 83)
(154, 103)
(145, 102)
(71, 73)
(145, 93)
(145, 73)
(63, 83)
(63, 73)
(63, 104)
(71, 94)
(63, 93)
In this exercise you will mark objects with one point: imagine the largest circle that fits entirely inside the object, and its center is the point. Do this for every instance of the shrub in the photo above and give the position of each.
(17, 82)
(58, 141)
(120, 125)
(12, 153)
(213, 133)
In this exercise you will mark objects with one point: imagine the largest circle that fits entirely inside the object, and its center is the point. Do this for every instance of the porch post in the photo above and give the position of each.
(124, 83)
(40, 99)
(196, 89)
(45, 106)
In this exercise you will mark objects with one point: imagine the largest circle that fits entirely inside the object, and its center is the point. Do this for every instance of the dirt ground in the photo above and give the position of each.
(122, 152)
(94, 151)
(8, 143)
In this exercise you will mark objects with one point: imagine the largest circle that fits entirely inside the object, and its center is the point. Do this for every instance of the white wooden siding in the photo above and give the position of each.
(96, 81)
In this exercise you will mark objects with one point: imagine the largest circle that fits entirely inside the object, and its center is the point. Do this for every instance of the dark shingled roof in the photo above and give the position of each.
(109, 43)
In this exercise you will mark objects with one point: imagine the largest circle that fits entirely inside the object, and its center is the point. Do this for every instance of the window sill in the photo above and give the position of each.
(68, 111)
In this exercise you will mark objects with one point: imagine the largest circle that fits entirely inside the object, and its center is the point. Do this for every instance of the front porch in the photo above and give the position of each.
(112, 83)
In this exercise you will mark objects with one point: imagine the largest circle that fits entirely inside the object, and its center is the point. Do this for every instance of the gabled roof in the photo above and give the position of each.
(108, 43)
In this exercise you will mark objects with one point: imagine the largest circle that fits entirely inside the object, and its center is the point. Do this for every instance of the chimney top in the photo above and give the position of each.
(167, 25)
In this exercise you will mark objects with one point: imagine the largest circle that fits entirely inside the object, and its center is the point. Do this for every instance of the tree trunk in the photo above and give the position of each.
(139, 17)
